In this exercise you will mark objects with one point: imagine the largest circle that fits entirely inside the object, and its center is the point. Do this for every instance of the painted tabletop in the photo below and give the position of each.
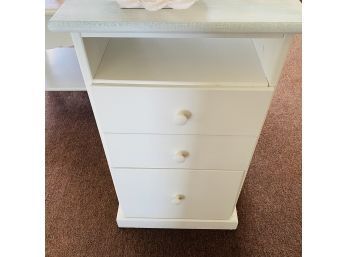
(205, 16)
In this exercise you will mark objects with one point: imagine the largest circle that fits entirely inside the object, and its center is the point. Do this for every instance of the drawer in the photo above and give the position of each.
(234, 111)
(181, 194)
(179, 151)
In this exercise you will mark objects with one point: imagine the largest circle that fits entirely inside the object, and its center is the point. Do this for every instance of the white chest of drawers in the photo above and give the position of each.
(180, 98)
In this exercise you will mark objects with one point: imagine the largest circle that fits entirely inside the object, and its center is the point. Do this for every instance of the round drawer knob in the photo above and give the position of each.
(181, 156)
(177, 199)
(182, 117)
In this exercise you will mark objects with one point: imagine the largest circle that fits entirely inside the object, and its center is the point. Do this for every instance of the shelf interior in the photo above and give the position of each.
(181, 61)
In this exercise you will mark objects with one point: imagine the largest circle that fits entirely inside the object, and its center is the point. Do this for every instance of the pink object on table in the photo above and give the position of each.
(154, 5)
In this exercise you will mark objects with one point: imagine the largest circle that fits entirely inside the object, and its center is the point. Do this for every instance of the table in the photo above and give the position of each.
(61, 67)
(180, 97)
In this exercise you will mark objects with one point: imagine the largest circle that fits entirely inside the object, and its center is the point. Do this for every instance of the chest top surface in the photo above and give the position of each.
(205, 16)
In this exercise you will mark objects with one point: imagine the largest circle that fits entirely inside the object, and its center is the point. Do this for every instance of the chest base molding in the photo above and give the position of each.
(229, 224)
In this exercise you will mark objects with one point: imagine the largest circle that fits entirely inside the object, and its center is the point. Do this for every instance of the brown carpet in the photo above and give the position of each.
(81, 202)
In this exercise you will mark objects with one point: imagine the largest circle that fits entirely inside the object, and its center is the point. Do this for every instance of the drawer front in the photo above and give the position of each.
(181, 110)
(179, 151)
(181, 194)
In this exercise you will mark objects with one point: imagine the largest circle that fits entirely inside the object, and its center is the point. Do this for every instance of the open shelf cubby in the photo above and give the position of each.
(175, 62)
